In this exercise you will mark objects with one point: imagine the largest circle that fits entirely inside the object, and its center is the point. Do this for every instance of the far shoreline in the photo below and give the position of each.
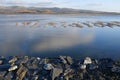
(66, 14)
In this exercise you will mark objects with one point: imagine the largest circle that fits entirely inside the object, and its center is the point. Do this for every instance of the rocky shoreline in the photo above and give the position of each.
(58, 68)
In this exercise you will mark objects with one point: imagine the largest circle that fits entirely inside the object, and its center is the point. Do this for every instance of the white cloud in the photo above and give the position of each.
(41, 3)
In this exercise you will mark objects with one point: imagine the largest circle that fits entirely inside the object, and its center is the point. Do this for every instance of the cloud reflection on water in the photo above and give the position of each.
(68, 39)
(22, 39)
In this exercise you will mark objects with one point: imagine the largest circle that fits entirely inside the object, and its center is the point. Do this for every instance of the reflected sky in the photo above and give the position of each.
(17, 38)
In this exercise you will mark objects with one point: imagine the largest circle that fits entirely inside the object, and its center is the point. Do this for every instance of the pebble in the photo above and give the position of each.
(83, 67)
(1, 62)
(13, 60)
(48, 67)
(63, 60)
(13, 68)
(87, 60)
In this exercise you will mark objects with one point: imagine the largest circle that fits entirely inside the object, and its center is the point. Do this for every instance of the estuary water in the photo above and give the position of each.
(51, 35)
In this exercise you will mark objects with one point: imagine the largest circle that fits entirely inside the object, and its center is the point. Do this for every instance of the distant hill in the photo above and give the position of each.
(36, 10)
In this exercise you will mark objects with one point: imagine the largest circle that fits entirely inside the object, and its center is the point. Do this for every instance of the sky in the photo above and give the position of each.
(97, 5)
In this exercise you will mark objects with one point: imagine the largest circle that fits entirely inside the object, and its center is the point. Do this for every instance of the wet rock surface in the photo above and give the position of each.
(58, 68)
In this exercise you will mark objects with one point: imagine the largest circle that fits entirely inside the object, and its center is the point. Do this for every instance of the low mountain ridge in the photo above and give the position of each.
(55, 10)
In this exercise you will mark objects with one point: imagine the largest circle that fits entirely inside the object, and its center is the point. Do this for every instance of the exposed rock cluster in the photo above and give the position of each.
(90, 24)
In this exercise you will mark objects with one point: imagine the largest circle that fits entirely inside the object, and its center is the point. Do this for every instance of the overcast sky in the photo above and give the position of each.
(99, 5)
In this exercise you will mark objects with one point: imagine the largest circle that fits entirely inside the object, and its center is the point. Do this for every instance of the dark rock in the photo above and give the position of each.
(2, 78)
(88, 24)
(106, 63)
(21, 73)
(67, 71)
(62, 58)
(48, 67)
(33, 64)
(69, 60)
(80, 25)
(113, 23)
(42, 61)
(116, 70)
(62, 68)
(100, 24)
(56, 73)
(9, 76)
(36, 77)
(4, 67)
(24, 59)
(93, 66)
(13, 60)
(2, 73)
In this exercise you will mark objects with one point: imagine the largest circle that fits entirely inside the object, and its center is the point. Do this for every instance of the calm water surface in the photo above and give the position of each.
(38, 39)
